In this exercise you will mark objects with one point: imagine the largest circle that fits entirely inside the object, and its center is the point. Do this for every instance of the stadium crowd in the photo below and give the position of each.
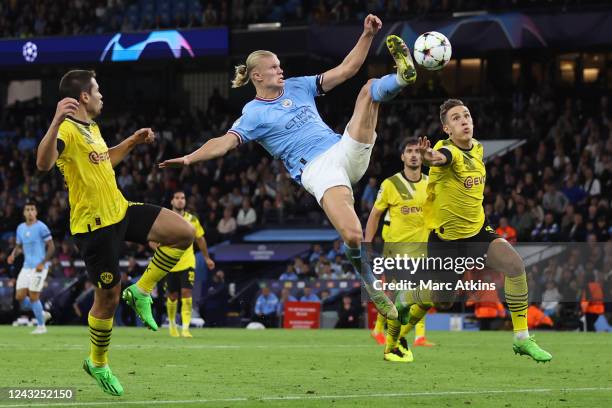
(28, 18)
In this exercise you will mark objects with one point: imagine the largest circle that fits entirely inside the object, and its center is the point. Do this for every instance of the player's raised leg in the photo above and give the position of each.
(175, 236)
(338, 204)
(387, 87)
(501, 256)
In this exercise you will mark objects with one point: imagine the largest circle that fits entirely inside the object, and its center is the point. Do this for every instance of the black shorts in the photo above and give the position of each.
(176, 281)
(101, 248)
(459, 256)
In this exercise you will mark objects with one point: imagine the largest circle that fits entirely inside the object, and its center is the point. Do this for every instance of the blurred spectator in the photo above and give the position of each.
(309, 296)
(369, 195)
(337, 250)
(213, 304)
(348, 315)
(266, 308)
(227, 225)
(547, 230)
(553, 200)
(286, 296)
(289, 274)
(592, 300)
(246, 216)
(550, 299)
(506, 231)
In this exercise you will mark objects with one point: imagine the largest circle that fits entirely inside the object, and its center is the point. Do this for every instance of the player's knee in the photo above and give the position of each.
(185, 236)
(173, 296)
(19, 297)
(516, 267)
(366, 90)
(34, 296)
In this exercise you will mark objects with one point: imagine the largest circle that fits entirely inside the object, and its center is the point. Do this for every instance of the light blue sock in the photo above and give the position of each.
(386, 88)
(26, 304)
(37, 308)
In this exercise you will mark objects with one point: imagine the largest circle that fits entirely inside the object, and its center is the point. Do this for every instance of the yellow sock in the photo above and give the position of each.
(380, 324)
(516, 297)
(419, 329)
(415, 315)
(171, 306)
(393, 329)
(186, 312)
(162, 262)
(100, 331)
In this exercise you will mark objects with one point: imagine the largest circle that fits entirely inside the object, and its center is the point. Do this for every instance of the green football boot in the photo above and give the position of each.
(529, 347)
(104, 377)
(141, 304)
(403, 60)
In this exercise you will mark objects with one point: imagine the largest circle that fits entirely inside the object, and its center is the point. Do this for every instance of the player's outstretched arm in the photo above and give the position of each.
(215, 147)
(355, 59)
(118, 153)
(47, 153)
(430, 156)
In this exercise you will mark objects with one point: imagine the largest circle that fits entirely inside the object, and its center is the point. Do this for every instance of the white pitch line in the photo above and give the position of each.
(314, 397)
(198, 346)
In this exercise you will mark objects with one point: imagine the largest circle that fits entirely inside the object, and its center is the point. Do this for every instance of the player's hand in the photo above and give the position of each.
(40, 267)
(144, 135)
(10, 260)
(174, 163)
(430, 156)
(372, 25)
(65, 107)
(210, 264)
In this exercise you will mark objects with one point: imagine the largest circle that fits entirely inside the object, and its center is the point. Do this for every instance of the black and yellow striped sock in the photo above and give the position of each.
(393, 330)
(517, 299)
(379, 327)
(162, 262)
(186, 305)
(100, 331)
(415, 315)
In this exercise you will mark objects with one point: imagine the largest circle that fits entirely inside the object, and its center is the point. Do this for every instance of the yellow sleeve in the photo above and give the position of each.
(382, 199)
(199, 230)
(65, 134)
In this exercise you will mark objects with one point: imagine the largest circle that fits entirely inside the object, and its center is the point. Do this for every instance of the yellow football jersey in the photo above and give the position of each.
(404, 200)
(95, 200)
(455, 193)
(188, 259)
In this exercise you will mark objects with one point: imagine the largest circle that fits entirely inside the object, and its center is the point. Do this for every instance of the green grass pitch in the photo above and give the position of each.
(311, 368)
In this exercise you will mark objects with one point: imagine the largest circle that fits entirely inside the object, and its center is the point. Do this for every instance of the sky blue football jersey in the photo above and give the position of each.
(33, 238)
(289, 127)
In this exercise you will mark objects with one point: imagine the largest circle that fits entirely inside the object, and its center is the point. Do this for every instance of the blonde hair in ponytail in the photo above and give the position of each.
(242, 72)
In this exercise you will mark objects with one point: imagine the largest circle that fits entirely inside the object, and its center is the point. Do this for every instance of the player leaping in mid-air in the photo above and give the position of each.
(455, 215)
(284, 119)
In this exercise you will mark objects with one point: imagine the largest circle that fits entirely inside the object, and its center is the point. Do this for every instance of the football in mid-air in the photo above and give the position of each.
(432, 50)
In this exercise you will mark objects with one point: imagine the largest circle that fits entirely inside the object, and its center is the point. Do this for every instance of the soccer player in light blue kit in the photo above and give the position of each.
(35, 242)
(283, 118)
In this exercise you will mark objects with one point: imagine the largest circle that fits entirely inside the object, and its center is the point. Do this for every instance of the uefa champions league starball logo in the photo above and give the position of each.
(30, 51)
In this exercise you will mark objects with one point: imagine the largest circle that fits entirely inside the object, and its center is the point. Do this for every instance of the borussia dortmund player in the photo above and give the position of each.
(182, 275)
(101, 218)
(402, 196)
(455, 214)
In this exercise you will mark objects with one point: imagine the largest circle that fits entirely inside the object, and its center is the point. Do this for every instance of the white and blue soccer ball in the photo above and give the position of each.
(30, 51)
(432, 50)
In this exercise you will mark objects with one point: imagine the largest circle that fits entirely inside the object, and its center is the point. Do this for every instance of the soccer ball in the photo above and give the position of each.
(432, 50)
(30, 51)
